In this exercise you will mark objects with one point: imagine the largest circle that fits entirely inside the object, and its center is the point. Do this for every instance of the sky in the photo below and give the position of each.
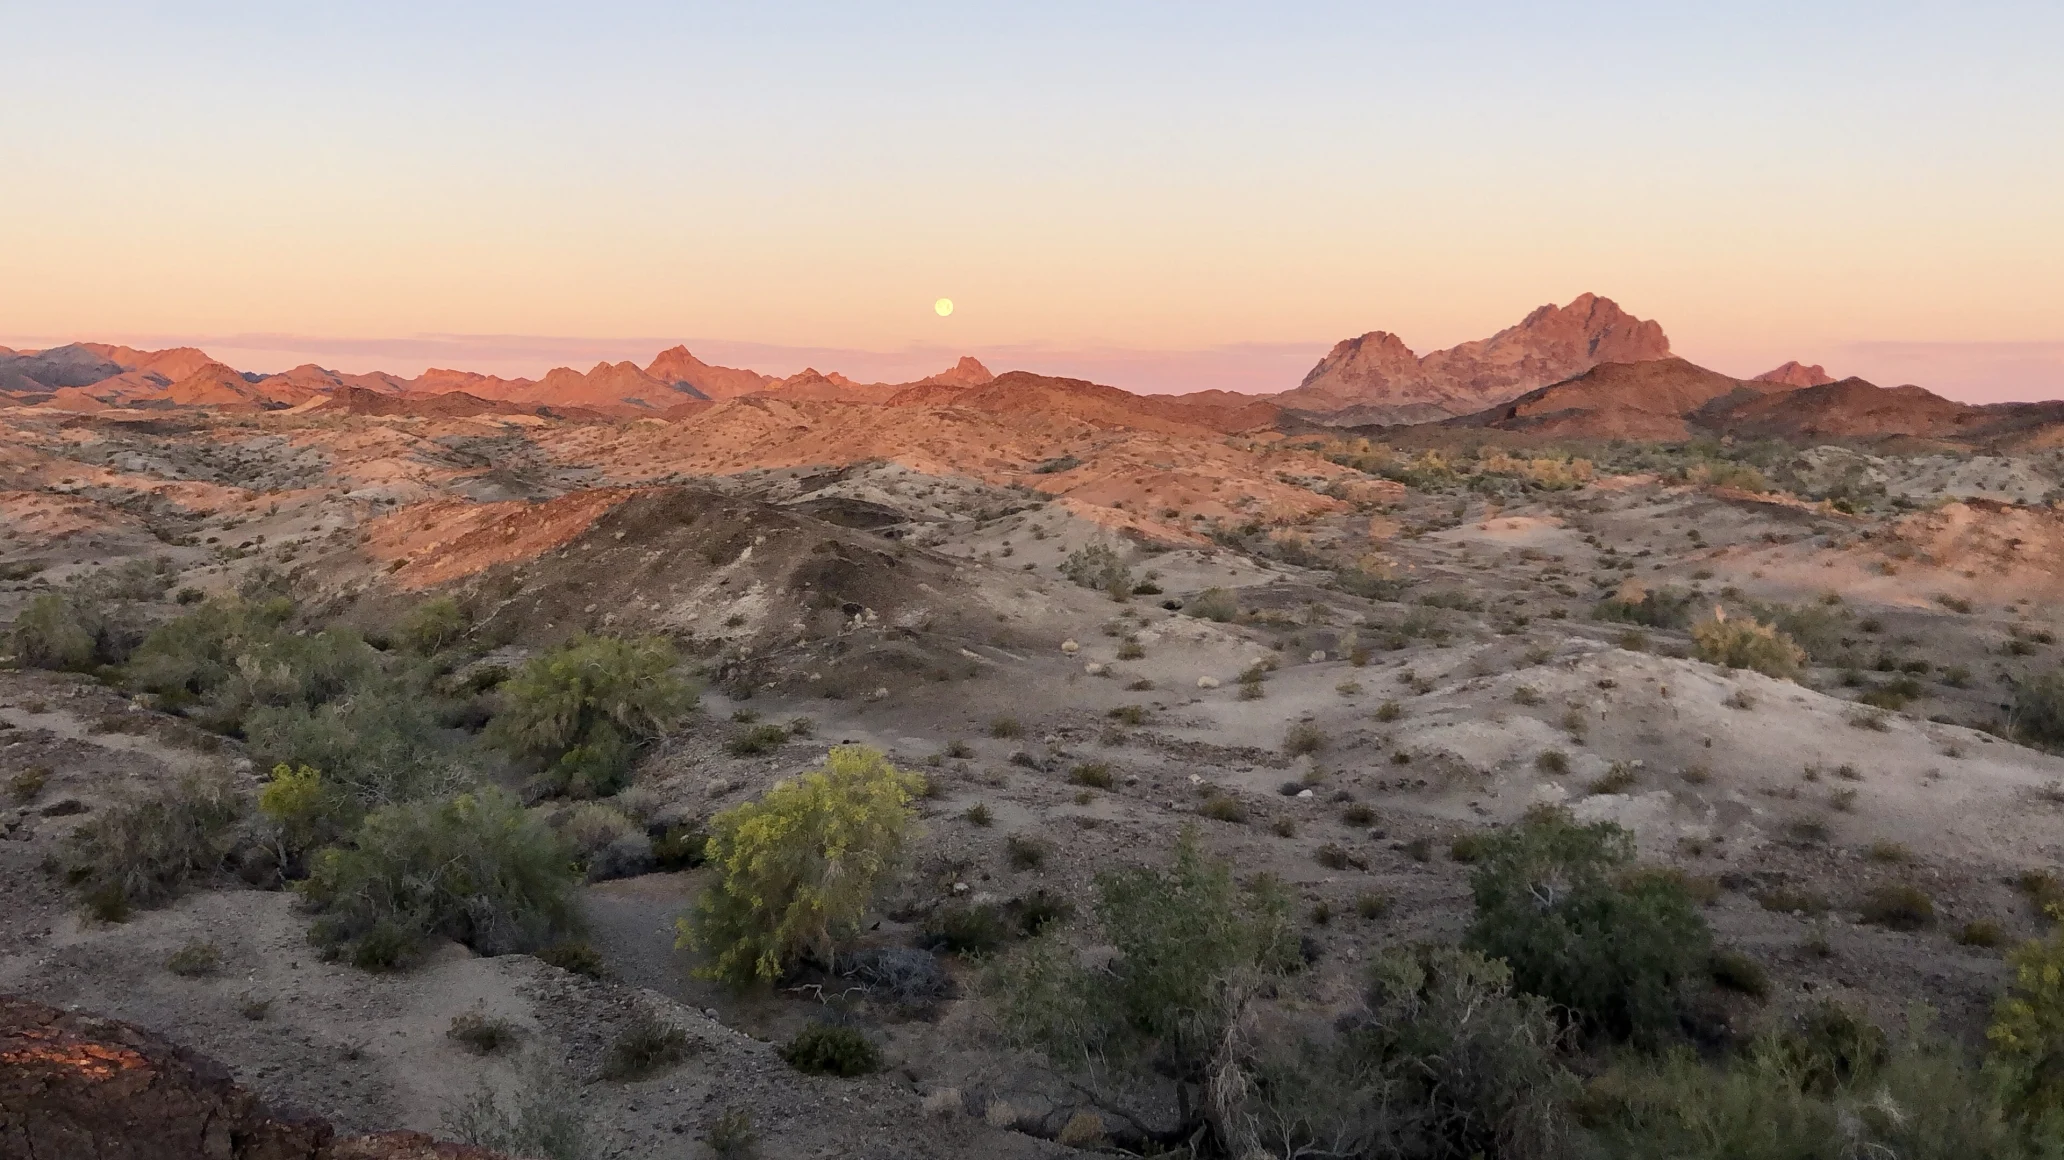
(1163, 196)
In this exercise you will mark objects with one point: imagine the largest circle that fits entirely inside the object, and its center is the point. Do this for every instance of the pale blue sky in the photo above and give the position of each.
(1769, 180)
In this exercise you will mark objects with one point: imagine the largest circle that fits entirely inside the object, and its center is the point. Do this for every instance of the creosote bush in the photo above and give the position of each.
(1747, 644)
(799, 867)
(432, 626)
(1215, 604)
(2038, 713)
(1094, 774)
(2027, 1031)
(643, 1048)
(1831, 1088)
(826, 1049)
(1303, 738)
(475, 868)
(198, 957)
(51, 634)
(1444, 1058)
(144, 850)
(1899, 906)
(578, 714)
(481, 1033)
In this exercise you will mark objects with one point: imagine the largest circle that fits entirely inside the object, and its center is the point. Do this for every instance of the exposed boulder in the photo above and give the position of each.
(82, 1087)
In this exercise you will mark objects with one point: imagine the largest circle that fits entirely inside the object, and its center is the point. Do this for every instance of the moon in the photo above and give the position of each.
(944, 306)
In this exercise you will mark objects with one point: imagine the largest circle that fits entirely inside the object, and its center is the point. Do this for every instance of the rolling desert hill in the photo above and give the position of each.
(1617, 400)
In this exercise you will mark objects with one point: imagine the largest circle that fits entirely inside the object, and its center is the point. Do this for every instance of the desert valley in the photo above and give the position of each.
(401, 746)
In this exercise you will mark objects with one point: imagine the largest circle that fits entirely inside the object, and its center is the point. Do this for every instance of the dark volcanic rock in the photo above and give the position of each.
(79, 1087)
(86, 1088)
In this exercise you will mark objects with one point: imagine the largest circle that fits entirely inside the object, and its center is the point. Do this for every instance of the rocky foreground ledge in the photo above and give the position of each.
(81, 1087)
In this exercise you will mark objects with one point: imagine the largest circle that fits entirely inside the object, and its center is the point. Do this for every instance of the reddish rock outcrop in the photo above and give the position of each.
(1796, 374)
(86, 1088)
(676, 366)
(80, 1087)
(1378, 371)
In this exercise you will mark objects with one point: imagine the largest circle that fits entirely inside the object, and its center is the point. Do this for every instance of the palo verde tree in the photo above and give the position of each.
(798, 867)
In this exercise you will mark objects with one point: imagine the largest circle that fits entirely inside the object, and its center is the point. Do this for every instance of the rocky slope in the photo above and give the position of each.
(1376, 378)
(1642, 400)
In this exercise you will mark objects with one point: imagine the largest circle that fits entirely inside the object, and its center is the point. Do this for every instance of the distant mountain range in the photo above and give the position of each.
(1588, 369)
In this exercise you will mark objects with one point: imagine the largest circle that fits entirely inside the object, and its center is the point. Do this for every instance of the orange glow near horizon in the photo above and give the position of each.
(1785, 190)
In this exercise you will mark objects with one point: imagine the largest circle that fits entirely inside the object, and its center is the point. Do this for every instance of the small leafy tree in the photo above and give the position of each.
(476, 868)
(1564, 906)
(307, 811)
(1193, 949)
(799, 867)
(580, 712)
(1747, 644)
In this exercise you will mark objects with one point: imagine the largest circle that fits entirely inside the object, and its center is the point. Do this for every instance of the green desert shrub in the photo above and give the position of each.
(681, 846)
(1564, 906)
(1651, 608)
(432, 626)
(1303, 738)
(1443, 1059)
(2027, 1031)
(475, 868)
(643, 1048)
(1747, 644)
(1834, 1091)
(51, 634)
(828, 1049)
(481, 1033)
(1898, 906)
(378, 744)
(143, 850)
(1215, 604)
(756, 740)
(196, 958)
(798, 868)
(578, 715)
(307, 811)
(1099, 566)
(539, 1117)
(229, 658)
(2039, 708)
(1815, 627)
(971, 929)
(1192, 946)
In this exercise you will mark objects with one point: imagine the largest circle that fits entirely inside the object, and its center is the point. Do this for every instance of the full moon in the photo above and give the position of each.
(944, 306)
